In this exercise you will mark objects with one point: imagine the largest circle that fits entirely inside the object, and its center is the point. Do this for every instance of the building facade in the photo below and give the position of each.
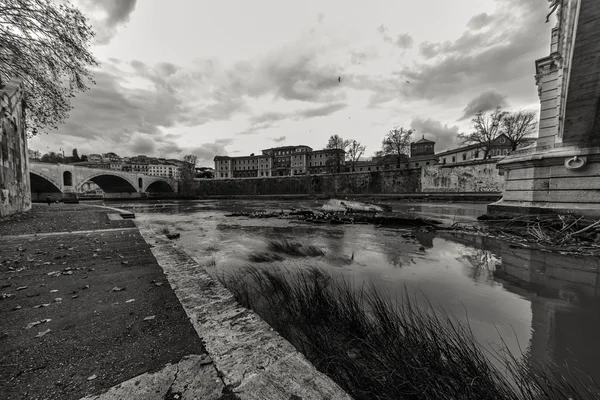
(501, 147)
(422, 153)
(280, 161)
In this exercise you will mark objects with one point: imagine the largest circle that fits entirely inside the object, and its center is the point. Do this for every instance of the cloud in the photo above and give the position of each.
(320, 111)
(268, 120)
(383, 31)
(279, 139)
(482, 57)
(404, 41)
(106, 16)
(479, 21)
(486, 101)
(206, 152)
(444, 136)
(142, 144)
(320, 18)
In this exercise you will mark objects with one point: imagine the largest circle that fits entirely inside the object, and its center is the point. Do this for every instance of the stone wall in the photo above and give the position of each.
(462, 178)
(15, 193)
(374, 182)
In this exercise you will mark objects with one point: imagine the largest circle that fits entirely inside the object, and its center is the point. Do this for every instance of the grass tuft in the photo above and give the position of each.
(165, 230)
(294, 248)
(376, 349)
(265, 257)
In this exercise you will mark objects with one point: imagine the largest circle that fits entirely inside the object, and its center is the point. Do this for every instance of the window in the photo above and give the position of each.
(464, 157)
(427, 163)
(416, 164)
(443, 160)
(453, 159)
(502, 140)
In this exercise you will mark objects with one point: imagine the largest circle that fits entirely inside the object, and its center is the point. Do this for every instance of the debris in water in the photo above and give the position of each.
(53, 291)
(130, 301)
(17, 308)
(149, 318)
(58, 299)
(6, 296)
(22, 287)
(117, 289)
(42, 305)
(91, 378)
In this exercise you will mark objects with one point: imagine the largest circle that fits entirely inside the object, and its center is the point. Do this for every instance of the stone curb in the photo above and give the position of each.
(253, 361)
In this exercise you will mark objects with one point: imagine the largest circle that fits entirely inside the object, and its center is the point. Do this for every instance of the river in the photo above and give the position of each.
(544, 306)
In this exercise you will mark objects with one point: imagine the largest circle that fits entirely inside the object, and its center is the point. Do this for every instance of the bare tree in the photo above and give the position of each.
(486, 130)
(45, 43)
(336, 142)
(518, 126)
(355, 151)
(397, 143)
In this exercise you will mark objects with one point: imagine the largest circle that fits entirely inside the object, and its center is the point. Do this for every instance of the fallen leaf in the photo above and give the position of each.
(35, 323)
(75, 296)
(7, 296)
(86, 287)
(149, 318)
(117, 289)
(22, 287)
(17, 308)
(130, 301)
(124, 262)
(42, 305)
(68, 273)
(42, 333)
(58, 299)
(91, 378)
(53, 291)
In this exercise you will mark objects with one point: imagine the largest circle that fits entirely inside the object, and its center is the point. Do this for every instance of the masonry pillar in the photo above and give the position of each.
(562, 171)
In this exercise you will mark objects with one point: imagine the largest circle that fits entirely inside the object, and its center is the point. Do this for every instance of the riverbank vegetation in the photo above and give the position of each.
(377, 349)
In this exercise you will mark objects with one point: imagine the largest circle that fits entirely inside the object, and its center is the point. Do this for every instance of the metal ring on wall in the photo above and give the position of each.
(575, 162)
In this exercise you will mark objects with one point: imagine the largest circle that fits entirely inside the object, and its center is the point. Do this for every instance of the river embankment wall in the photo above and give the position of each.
(475, 176)
(374, 182)
(15, 192)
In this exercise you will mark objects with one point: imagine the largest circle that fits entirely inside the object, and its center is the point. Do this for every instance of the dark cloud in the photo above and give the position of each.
(444, 136)
(279, 139)
(142, 144)
(486, 101)
(106, 16)
(404, 41)
(514, 37)
(206, 152)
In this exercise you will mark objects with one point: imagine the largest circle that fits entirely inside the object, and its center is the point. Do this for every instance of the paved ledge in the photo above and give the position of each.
(253, 361)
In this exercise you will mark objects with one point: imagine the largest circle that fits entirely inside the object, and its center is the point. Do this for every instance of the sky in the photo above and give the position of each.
(233, 77)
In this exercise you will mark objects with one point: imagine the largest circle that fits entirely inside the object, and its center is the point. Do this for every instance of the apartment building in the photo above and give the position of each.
(278, 161)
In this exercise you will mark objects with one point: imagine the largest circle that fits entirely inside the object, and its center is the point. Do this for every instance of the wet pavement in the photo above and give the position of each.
(77, 293)
(544, 306)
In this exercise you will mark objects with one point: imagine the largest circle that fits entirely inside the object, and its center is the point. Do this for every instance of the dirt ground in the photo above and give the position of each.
(81, 312)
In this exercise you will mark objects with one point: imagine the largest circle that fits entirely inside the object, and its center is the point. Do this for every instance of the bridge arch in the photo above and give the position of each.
(160, 186)
(109, 182)
(40, 183)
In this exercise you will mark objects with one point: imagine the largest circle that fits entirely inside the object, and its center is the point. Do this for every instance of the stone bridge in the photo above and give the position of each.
(64, 181)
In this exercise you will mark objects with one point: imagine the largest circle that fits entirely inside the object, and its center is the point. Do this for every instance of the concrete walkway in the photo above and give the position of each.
(87, 312)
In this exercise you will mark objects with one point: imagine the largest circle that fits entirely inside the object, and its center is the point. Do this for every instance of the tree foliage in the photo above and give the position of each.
(46, 44)
(355, 151)
(397, 143)
(486, 129)
(75, 155)
(518, 126)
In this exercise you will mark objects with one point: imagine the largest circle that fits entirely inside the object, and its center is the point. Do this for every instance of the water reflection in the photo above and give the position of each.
(544, 304)
(563, 291)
